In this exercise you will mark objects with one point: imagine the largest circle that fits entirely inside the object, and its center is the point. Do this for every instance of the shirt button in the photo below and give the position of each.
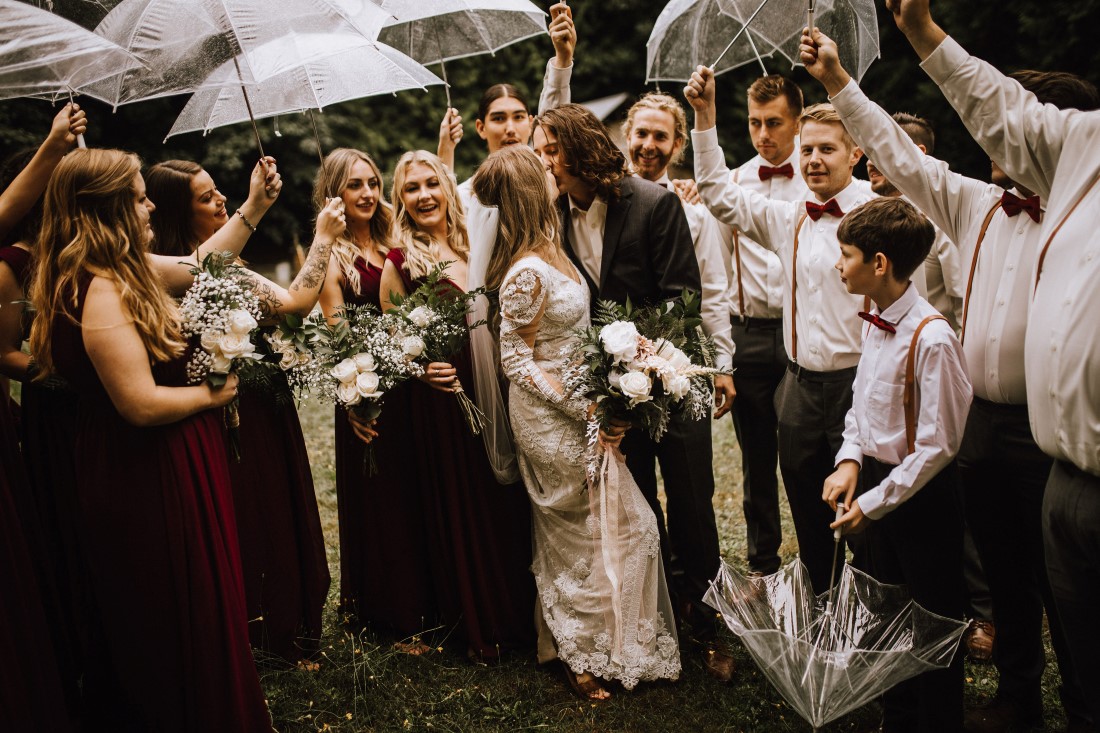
(1000, 303)
(992, 338)
(813, 349)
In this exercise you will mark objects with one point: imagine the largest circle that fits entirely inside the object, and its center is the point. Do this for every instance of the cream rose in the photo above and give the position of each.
(421, 315)
(367, 384)
(209, 340)
(676, 385)
(620, 339)
(348, 393)
(221, 364)
(236, 345)
(676, 359)
(364, 362)
(345, 371)
(412, 346)
(240, 322)
(636, 386)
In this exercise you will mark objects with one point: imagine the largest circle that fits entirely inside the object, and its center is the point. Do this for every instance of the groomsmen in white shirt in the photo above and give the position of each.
(1056, 154)
(1003, 471)
(756, 307)
(821, 329)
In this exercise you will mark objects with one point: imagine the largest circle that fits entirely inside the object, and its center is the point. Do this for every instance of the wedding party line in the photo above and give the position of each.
(524, 367)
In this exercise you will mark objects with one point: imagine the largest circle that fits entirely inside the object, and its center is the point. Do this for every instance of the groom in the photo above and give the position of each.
(630, 239)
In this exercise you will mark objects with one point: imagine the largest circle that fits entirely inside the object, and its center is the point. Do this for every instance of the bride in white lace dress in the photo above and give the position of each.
(597, 563)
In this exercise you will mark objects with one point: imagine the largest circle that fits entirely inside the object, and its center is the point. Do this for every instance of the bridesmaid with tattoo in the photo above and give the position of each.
(286, 576)
(383, 561)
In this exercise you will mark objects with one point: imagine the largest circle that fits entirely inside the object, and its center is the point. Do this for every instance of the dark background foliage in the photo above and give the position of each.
(1048, 35)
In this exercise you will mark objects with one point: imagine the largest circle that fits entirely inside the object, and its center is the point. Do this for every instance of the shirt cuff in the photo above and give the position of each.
(849, 99)
(557, 77)
(705, 141)
(945, 60)
(849, 452)
(871, 503)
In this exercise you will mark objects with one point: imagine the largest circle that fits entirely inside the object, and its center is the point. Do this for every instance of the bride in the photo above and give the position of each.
(605, 610)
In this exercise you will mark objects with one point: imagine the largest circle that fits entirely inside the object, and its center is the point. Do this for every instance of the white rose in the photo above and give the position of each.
(289, 360)
(614, 376)
(367, 384)
(345, 371)
(209, 340)
(221, 364)
(364, 362)
(240, 321)
(412, 346)
(348, 393)
(676, 385)
(636, 386)
(421, 315)
(620, 339)
(676, 359)
(236, 345)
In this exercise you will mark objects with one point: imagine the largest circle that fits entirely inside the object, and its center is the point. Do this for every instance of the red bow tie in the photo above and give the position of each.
(875, 320)
(831, 207)
(1013, 205)
(785, 170)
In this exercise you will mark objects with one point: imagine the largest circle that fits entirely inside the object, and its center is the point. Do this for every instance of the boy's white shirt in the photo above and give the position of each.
(875, 424)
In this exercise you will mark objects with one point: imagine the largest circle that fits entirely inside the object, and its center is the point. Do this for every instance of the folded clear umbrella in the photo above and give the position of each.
(45, 55)
(830, 654)
(352, 68)
(691, 33)
(437, 31)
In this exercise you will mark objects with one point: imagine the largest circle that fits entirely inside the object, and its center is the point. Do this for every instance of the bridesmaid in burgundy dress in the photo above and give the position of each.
(156, 514)
(479, 532)
(286, 576)
(384, 566)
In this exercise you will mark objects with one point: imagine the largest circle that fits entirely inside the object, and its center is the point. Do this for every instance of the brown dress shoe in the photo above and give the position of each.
(718, 664)
(979, 640)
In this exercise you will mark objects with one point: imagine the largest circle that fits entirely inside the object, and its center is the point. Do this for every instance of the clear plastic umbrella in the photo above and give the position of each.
(830, 654)
(353, 68)
(45, 55)
(691, 33)
(437, 31)
(182, 42)
(853, 24)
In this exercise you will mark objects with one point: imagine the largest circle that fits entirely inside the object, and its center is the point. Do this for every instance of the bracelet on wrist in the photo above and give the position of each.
(247, 223)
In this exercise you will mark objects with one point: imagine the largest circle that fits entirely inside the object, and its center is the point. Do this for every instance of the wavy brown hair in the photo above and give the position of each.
(332, 179)
(514, 181)
(586, 149)
(422, 253)
(91, 227)
(168, 185)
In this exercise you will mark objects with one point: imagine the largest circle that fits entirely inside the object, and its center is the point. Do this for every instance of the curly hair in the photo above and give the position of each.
(661, 102)
(586, 149)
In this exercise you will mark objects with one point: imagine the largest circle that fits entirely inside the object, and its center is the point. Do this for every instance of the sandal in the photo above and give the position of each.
(719, 664)
(589, 689)
(414, 647)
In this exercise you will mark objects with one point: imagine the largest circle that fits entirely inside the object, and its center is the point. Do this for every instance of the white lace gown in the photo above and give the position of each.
(597, 560)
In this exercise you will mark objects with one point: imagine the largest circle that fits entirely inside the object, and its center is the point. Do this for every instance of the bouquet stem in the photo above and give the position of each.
(475, 418)
(367, 412)
(232, 417)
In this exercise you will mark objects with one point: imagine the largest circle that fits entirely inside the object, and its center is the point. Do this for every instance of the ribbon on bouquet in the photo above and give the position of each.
(604, 460)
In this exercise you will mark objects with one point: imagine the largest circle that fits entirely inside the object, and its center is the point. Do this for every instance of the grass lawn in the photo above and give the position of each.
(364, 686)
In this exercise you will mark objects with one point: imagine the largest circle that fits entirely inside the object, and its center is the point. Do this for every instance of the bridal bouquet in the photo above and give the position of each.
(353, 362)
(434, 318)
(638, 364)
(221, 310)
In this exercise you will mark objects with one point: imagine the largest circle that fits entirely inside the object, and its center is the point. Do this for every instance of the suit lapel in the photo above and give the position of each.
(613, 229)
(567, 245)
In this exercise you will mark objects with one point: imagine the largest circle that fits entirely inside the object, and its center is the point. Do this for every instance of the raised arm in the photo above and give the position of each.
(450, 134)
(13, 362)
(559, 69)
(264, 186)
(522, 304)
(122, 363)
(18, 198)
(951, 200)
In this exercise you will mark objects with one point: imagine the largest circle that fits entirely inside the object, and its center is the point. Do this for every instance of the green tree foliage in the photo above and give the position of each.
(610, 59)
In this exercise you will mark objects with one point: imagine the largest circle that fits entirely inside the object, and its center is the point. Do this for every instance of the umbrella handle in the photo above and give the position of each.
(840, 509)
(80, 142)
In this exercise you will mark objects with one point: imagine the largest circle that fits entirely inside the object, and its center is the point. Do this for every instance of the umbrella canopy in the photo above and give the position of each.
(182, 42)
(691, 33)
(434, 31)
(42, 54)
(352, 68)
(828, 663)
(853, 24)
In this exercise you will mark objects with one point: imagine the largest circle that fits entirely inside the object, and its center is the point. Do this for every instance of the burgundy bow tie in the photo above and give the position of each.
(1013, 205)
(785, 170)
(831, 207)
(875, 320)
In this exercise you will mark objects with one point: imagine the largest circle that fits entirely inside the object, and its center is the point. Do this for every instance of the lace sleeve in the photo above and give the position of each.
(522, 304)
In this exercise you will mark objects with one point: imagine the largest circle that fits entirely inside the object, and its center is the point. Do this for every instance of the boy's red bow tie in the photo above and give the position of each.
(875, 320)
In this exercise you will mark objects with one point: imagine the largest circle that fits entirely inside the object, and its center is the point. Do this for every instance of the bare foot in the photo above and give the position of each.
(307, 666)
(586, 685)
(414, 647)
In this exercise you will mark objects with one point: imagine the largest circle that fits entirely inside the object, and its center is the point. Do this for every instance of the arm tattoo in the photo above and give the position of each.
(313, 271)
(269, 300)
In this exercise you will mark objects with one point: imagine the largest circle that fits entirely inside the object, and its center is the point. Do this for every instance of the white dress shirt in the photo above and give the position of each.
(875, 424)
(705, 234)
(555, 87)
(587, 234)
(761, 275)
(1056, 154)
(939, 279)
(827, 327)
(997, 311)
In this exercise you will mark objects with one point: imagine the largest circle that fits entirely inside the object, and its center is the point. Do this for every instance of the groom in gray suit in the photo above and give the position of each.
(630, 239)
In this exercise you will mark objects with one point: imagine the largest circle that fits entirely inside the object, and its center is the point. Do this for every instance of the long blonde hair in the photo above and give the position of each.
(90, 225)
(421, 252)
(514, 180)
(332, 179)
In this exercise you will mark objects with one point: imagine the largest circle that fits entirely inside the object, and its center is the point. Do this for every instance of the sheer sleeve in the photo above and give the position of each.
(522, 305)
